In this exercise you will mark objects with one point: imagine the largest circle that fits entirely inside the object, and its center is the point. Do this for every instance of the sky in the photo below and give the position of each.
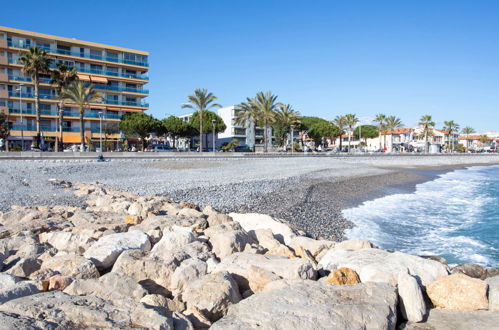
(325, 58)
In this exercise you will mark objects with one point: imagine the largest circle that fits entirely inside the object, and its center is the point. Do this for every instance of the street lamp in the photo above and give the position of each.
(100, 137)
(21, 112)
(292, 138)
(213, 121)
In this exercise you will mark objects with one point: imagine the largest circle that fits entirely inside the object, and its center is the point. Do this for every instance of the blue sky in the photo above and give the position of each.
(326, 58)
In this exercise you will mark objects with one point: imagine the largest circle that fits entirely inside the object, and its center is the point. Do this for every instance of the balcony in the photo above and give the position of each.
(49, 97)
(66, 113)
(88, 56)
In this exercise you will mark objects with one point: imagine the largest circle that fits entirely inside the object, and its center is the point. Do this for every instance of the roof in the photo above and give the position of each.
(446, 132)
(400, 131)
(71, 40)
(474, 137)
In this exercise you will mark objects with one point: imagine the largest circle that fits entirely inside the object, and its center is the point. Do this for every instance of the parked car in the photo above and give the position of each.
(243, 148)
(162, 148)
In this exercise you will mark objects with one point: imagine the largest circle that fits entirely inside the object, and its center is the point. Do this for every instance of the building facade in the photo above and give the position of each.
(118, 74)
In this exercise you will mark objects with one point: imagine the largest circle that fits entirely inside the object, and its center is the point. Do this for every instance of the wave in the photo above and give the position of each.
(453, 216)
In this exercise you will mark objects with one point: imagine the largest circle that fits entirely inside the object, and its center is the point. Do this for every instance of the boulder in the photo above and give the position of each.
(67, 241)
(266, 239)
(375, 265)
(25, 267)
(151, 317)
(112, 286)
(8, 281)
(472, 270)
(343, 276)
(493, 283)
(315, 247)
(458, 291)
(155, 300)
(443, 319)
(106, 250)
(15, 321)
(172, 240)
(59, 282)
(190, 213)
(215, 219)
(133, 220)
(71, 265)
(212, 294)
(17, 290)
(228, 238)
(411, 301)
(244, 266)
(354, 244)
(253, 221)
(302, 304)
(188, 271)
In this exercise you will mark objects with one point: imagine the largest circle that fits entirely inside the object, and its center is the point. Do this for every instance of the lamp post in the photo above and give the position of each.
(292, 138)
(21, 112)
(213, 121)
(100, 128)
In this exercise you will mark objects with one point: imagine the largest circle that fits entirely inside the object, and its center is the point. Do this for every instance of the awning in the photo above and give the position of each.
(71, 138)
(99, 80)
(84, 77)
(114, 109)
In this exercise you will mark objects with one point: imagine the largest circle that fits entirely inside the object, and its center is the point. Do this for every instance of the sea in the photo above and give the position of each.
(455, 216)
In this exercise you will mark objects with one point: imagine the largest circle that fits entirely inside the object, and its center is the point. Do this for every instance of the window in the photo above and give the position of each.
(131, 99)
(112, 69)
(82, 52)
(95, 54)
(113, 57)
(63, 49)
(28, 43)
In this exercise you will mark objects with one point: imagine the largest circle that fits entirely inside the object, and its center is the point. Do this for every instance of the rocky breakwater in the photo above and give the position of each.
(126, 261)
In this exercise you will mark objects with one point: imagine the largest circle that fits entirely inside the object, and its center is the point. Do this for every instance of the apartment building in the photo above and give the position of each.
(118, 74)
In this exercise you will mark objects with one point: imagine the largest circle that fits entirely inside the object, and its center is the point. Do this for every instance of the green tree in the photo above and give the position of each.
(267, 105)
(36, 62)
(318, 128)
(201, 101)
(109, 128)
(340, 124)
(62, 77)
(381, 120)
(140, 125)
(350, 120)
(176, 127)
(427, 122)
(285, 117)
(247, 114)
(484, 140)
(450, 127)
(82, 96)
(391, 124)
(468, 131)
(4, 129)
(366, 132)
(207, 123)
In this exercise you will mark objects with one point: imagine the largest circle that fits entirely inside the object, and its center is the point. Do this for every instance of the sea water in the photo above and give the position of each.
(455, 216)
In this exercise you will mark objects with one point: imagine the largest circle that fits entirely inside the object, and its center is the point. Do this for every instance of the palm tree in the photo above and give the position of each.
(350, 121)
(61, 78)
(36, 62)
(267, 106)
(468, 131)
(248, 114)
(391, 124)
(380, 119)
(201, 101)
(450, 127)
(339, 122)
(427, 123)
(484, 139)
(82, 96)
(287, 117)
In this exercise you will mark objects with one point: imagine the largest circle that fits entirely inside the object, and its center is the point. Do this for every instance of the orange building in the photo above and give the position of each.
(118, 74)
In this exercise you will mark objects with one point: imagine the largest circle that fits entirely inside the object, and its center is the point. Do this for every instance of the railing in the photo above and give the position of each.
(52, 129)
(66, 113)
(82, 55)
(49, 97)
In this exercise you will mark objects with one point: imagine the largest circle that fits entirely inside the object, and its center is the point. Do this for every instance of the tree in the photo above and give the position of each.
(176, 127)
(450, 127)
(484, 139)
(247, 114)
(427, 123)
(139, 124)
(266, 103)
(35, 63)
(82, 96)
(468, 131)
(366, 132)
(109, 128)
(380, 119)
(285, 117)
(318, 128)
(391, 124)
(201, 101)
(4, 129)
(339, 123)
(207, 122)
(62, 77)
(350, 121)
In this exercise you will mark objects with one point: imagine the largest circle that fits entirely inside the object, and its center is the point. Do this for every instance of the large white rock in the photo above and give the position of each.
(190, 270)
(315, 247)
(227, 238)
(444, 319)
(375, 265)
(171, 241)
(107, 249)
(302, 304)
(493, 283)
(253, 221)
(67, 241)
(16, 290)
(213, 294)
(412, 304)
(71, 265)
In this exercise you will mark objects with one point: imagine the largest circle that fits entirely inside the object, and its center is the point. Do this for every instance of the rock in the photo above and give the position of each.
(436, 258)
(188, 271)
(492, 272)
(493, 283)
(315, 247)
(283, 251)
(343, 276)
(155, 300)
(375, 265)
(25, 267)
(253, 221)
(302, 304)
(71, 265)
(106, 250)
(212, 294)
(244, 266)
(197, 318)
(190, 213)
(17, 290)
(151, 317)
(14, 321)
(209, 210)
(8, 281)
(66, 241)
(61, 183)
(442, 319)
(59, 282)
(411, 301)
(215, 219)
(181, 322)
(266, 239)
(472, 270)
(189, 206)
(112, 286)
(171, 241)
(354, 244)
(458, 291)
(135, 209)
(228, 238)
(133, 219)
